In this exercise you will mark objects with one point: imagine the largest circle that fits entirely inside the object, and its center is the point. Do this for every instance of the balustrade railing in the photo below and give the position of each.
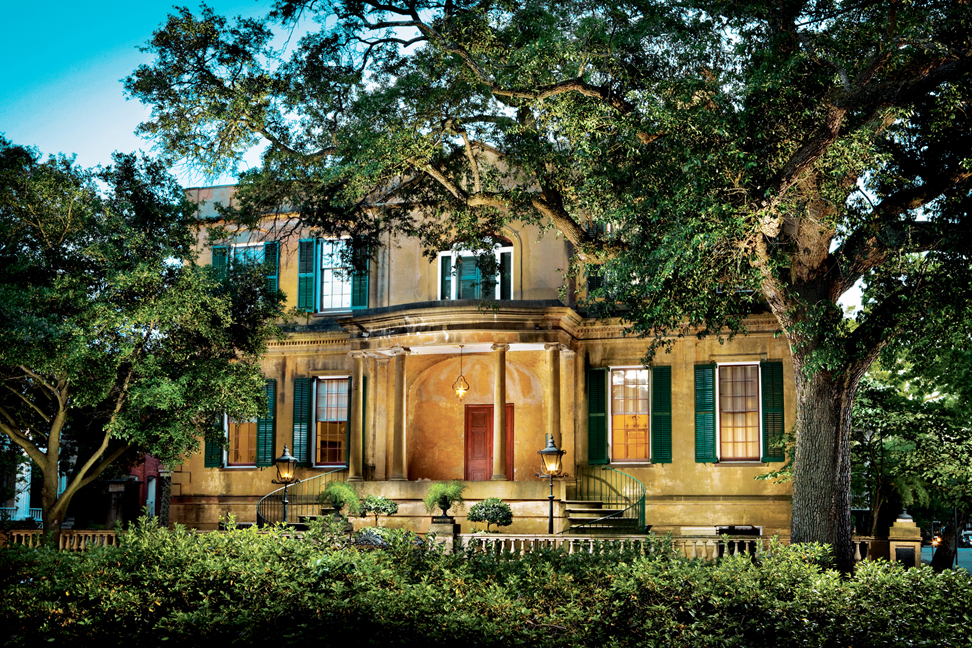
(302, 497)
(69, 540)
(621, 493)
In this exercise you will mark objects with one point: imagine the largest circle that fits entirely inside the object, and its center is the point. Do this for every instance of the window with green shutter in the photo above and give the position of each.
(771, 379)
(461, 278)
(213, 457)
(597, 441)
(220, 260)
(705, 414)
(271, 261)
(303, 401)
(359, 280)
(661, 415)
(265, 427)
(306, 274)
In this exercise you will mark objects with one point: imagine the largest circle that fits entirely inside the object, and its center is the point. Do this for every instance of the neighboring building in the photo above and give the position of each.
(366, 381)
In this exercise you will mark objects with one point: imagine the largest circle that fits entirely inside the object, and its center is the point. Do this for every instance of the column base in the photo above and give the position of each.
(498, 478)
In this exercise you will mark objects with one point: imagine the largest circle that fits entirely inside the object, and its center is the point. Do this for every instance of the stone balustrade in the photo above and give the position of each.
(71, 540)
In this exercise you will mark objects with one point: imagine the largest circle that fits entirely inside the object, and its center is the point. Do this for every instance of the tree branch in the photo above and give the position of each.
(33, 406)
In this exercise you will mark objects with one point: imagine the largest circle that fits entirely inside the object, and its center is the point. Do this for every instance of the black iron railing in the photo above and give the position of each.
(302, 497)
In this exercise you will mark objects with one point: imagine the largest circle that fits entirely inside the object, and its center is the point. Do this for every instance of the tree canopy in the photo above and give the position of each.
(112, 340)
(707, 158)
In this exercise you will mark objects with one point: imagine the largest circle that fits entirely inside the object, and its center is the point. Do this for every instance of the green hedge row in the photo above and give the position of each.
(160, 587)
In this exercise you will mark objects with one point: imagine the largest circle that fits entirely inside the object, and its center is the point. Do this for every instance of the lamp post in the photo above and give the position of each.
(550, 467)
(285, 475)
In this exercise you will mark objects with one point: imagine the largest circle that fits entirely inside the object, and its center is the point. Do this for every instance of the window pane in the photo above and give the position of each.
(630, 415)
(331, 417)
(335, 281)
(242, 443)
(739, 412)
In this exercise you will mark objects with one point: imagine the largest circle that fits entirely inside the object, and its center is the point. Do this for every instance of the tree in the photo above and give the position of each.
(708, 158)
(112, 340)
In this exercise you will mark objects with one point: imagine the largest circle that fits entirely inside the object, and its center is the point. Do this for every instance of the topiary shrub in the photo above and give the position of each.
(378, 505)
(491, 510)
(339, 494)
(444, 495)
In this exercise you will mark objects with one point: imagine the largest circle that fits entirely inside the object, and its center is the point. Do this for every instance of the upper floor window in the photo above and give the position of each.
(325, 282)
(461, 277)
(266, 254)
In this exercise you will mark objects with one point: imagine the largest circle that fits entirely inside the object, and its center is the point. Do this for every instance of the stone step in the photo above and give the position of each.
(591, 514)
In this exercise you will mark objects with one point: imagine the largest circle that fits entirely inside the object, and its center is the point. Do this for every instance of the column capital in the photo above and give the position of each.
(399, 351)
(500, 347)
(358, 355)
(553, 346)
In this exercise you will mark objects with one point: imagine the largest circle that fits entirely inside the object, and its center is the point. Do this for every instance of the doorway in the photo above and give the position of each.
(479, 442)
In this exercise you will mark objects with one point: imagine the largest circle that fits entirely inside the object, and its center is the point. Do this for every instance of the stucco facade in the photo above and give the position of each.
(399, 350)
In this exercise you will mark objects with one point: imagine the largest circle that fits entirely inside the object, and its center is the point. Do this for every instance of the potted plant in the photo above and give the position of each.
(443, 495)
(378, 505)
(491, 510)
(336, 495)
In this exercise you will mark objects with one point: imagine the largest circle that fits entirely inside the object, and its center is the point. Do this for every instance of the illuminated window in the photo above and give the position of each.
(331, 418)
(739, 412)
(242, 447)
(630, 415)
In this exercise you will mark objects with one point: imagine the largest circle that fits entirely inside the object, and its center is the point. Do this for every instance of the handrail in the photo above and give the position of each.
(612, 487)
(302, 498)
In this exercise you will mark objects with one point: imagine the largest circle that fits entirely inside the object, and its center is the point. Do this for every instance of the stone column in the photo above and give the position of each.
(399, 469)
(499, 413)
(356, 446)
(553, 397)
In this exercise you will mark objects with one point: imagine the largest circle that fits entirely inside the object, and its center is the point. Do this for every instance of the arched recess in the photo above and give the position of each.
(435, 417)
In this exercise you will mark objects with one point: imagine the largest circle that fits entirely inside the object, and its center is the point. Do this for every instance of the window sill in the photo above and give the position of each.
(739, 462)
(631, 464)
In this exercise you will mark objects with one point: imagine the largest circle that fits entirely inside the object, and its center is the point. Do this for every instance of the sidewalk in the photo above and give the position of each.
(964, 557)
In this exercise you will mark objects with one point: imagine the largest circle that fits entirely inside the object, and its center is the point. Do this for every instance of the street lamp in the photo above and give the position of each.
(550, 467)
(285, 475)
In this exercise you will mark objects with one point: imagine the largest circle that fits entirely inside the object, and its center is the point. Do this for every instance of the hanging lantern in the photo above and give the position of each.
(461, 386)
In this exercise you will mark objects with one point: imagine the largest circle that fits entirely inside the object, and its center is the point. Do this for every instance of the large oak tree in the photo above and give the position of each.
(699, 155)
(113, 341)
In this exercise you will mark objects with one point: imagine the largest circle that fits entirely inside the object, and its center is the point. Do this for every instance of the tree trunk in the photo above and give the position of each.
(821, 466)
(52, 512)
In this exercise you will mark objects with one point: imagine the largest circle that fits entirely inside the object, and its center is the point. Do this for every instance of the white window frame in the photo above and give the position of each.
(239, 246)
(319, 276)
(226, 438)
(455, 255)
(312, 436)
(759, 412)
(610, 414)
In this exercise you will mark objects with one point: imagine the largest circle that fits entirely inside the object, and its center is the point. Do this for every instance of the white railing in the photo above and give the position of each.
(70, 540)
(11, 512)
(702, 547)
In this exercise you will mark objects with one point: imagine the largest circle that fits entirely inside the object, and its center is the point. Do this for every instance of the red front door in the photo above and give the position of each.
(479, 442)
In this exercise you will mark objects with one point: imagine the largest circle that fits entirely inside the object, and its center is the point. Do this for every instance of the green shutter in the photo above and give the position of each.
(220, 260)
(302, 420)
(597, 445)
(214, 450)
(359, 280)
(661, 415)
(445, 267)
(771, 379)
(469, 280)
(705, 413)
(271, 261)
(506, 275)
(265, 427)
(306, 272)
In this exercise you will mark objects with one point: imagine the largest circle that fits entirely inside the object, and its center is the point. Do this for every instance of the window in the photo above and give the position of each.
(629, 415)
(460, 277)
(246, 444)
(324, 281)
(242, 446)
(267, 254)
(321, 411)
(739, 412)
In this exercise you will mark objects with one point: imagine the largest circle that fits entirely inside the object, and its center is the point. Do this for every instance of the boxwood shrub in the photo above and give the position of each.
(161, 587)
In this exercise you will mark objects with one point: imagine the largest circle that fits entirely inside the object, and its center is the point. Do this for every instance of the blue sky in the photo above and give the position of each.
(61, 67)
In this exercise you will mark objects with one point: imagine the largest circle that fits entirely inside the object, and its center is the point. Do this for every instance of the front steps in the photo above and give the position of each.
(609, 521)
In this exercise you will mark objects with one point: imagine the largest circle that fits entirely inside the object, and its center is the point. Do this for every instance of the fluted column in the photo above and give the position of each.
(399, 470)
(499, 413)
(356, 446)
(553, 397)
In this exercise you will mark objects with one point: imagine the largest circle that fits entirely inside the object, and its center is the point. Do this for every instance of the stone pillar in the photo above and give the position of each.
(553, 396)
(499, 413)
(904, 538)
(383, 420)
(399, 469)
(356, 446)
